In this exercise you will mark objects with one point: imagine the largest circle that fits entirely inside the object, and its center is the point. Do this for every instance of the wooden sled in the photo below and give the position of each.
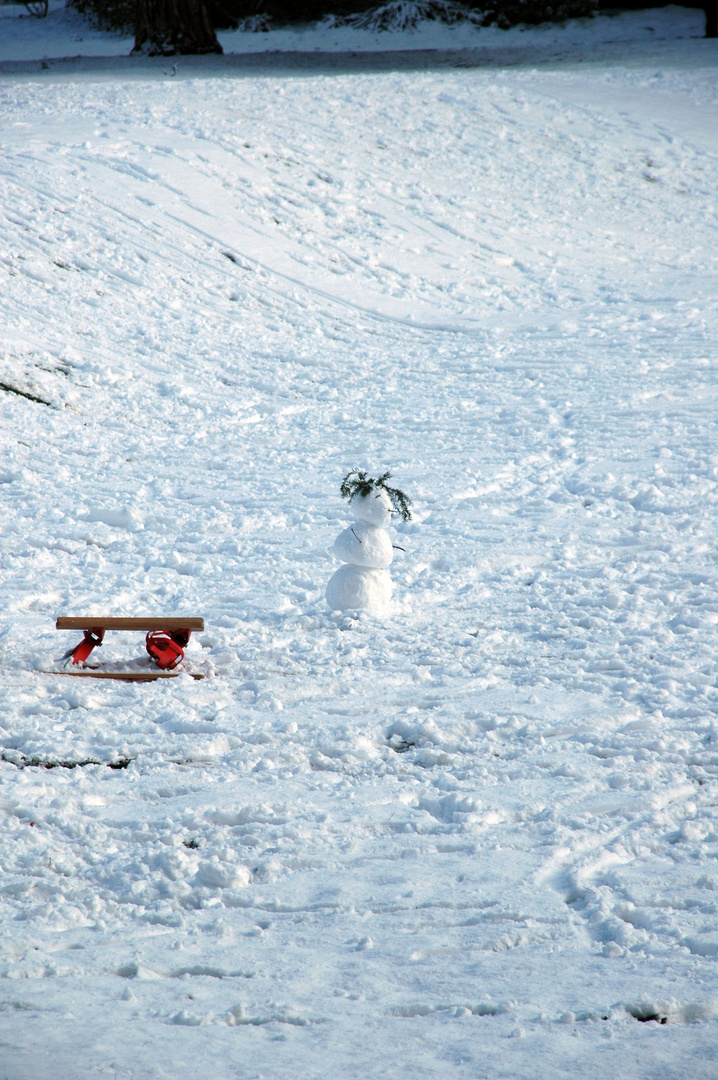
(166, 640)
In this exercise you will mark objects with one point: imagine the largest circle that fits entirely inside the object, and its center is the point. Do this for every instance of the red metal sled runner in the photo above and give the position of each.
(166, 640)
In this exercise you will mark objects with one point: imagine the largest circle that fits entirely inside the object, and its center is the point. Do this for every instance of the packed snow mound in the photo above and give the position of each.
(408, 14)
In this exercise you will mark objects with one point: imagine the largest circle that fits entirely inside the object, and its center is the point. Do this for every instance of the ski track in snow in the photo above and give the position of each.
(478, 837)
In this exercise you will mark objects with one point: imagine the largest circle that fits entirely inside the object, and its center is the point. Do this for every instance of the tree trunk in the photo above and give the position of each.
(711, 10)
(168, 27)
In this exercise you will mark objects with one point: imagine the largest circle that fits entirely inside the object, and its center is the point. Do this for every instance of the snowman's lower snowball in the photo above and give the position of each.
(356, 587)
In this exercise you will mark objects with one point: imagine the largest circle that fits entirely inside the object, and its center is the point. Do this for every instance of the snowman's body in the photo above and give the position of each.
(366, 550)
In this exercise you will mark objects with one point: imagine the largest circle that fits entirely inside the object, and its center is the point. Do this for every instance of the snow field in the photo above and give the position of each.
(474, 838)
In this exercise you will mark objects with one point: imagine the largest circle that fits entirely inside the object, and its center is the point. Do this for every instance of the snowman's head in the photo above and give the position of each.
(373, 500)
(374, 508)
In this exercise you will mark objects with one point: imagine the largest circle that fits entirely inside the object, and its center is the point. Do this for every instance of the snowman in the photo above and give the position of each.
(365, 548)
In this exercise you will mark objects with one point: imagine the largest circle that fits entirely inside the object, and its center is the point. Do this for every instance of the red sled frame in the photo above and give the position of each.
(166, 641)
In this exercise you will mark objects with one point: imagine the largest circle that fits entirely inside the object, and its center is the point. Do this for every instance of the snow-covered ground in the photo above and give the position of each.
(478, 837)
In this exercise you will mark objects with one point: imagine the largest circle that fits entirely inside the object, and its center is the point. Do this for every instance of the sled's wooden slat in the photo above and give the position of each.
(87, 622)
(127, 676)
